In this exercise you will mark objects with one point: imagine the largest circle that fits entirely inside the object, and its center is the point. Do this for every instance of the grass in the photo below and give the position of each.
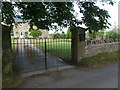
(61, 50)
(10, 80)
(57, 47)
(101, 59)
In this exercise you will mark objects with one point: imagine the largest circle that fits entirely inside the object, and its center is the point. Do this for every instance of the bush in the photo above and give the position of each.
(35, 33)
(26, 37)
(57, 35)
(68, 35)
(63, 36)
(112, 35)
(88, 39)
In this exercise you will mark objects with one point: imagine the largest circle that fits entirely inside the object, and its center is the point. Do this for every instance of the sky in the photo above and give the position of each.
(112, 10)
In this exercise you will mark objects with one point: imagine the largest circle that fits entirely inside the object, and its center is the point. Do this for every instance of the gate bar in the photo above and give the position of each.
(45, 55)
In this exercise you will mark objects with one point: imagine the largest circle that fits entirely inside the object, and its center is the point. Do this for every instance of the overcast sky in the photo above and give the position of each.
(112, 10)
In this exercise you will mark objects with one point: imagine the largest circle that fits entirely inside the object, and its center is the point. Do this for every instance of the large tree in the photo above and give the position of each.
(45, 15)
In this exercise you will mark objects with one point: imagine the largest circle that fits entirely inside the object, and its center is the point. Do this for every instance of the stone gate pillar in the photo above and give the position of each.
(6, 50)
(78, 43)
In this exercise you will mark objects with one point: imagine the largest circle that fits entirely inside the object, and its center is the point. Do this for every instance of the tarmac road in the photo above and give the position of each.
(106, 77)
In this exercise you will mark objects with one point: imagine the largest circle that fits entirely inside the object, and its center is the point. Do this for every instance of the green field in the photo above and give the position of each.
(57, 47)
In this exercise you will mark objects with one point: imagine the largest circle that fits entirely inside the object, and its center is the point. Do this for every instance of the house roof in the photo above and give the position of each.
(21, 20)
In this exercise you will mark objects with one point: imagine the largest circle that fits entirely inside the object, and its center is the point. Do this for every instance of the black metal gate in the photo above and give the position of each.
(33, 54)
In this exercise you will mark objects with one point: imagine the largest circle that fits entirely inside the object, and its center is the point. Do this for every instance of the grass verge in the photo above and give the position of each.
(101, 59)
(10, 80)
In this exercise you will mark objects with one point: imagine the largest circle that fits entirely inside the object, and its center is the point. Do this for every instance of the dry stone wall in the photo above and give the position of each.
(100, 46)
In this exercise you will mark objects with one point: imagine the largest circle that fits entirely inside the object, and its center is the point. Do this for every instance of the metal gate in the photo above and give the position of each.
(34, 54)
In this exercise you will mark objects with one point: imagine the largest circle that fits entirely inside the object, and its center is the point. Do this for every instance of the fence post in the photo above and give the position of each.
(78, 43)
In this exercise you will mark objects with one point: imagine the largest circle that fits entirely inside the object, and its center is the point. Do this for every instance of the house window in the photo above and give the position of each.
(16, 32)
(21, 33)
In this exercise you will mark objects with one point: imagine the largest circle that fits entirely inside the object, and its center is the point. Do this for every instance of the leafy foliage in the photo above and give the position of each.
(35, 33)
(94, 34)
(8, 13)
(68, 35)
(93, 17)
(45, 14)
(112, 35)
(56, 35)
(63, 36)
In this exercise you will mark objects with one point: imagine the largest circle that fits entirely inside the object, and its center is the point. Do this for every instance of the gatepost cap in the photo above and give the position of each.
(78, 28)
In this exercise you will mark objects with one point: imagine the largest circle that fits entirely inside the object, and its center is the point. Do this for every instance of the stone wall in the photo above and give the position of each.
(100, 46)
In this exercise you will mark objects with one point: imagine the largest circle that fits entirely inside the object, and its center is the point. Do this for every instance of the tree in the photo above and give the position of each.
(68, 35)
(94, 18)
(8, 13)
(35, 33)
(45, 14)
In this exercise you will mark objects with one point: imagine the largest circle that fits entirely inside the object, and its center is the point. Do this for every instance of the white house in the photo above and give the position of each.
(21, 30)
